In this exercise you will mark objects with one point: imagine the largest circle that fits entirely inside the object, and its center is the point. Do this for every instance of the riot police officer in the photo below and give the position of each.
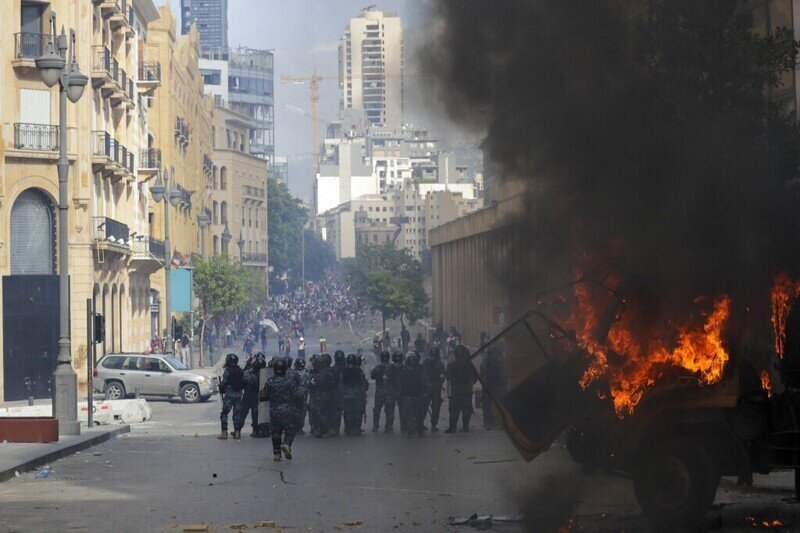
(301, 408)
(462, 376)
(282, 393)
(434, 380)
(231, 387)
(322, 398)
(354, 390)
(381, 403)
(391, 381)
(412, 389)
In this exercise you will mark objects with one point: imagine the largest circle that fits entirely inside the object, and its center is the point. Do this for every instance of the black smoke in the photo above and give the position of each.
(641, 133)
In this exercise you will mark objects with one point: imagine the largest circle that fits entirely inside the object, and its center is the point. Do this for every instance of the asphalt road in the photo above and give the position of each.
(172, 472)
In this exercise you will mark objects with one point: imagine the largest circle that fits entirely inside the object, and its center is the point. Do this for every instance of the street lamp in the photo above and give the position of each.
(240, 243)
(203, 220)
(52, 65)
(161, 191)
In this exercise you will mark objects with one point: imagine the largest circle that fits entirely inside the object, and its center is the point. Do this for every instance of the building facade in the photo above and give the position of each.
(239, 193)
(371, 67)
(180, 136)
(110, 259)
(211, 20)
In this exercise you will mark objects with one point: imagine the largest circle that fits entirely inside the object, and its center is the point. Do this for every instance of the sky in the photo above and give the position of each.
(305, 34)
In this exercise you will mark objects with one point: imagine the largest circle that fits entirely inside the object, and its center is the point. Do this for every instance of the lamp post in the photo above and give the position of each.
(240, 244)
(226, 237)
(303, 257)
(203, 220)
(53, 66)
(163, 192)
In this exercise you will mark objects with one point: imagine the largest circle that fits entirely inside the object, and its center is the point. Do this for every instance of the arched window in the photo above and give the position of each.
(216, 178)
(223, 179)
(33, 230)
(216, 245)
(223, 213)
(215, 215)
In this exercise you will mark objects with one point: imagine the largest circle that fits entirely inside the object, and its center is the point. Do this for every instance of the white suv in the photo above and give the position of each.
(119, 375)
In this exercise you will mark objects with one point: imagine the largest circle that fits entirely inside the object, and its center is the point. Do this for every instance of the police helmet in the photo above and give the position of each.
(360, 361)
(325, 359)
(412, 358)
(462, 351)
(434, 353)
(258, 361)
(384, 357)
(231, 360)
(352, 360)
(397, 357)
(338, 357)
(279, 367)
(299, 364)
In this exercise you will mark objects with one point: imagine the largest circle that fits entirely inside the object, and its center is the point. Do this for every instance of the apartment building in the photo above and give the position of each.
(107, 204)
(211, 19)
(239, 193)
(371, 67)
(181, 121)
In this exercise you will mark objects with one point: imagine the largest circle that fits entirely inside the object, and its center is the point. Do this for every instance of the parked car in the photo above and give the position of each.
(119, 375)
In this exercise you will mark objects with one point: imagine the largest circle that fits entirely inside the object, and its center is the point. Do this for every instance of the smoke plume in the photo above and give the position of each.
(634, 138)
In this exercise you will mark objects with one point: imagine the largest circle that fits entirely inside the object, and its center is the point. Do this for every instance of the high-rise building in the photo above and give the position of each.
(211, 17)
(243, 80)
(371, 67)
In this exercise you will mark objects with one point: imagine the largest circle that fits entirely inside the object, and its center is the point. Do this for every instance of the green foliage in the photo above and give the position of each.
(287, 218)
(388, 280)
(220, 286)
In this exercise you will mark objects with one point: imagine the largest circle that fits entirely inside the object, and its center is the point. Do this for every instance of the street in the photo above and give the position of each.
(173, 473)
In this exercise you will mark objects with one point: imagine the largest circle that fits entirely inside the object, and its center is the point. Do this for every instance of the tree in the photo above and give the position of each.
(389, 281)
(220, 286)
(287, 219)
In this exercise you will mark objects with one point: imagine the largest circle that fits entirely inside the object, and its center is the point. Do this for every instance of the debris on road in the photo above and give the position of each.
(238, 526)
(265, 523)
(352, 522)
(484, 522)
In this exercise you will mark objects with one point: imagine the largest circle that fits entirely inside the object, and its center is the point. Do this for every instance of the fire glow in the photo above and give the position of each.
(766, 383)
(784, 293)
(631, 361)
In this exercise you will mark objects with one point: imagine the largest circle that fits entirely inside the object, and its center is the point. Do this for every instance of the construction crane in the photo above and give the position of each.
(313, 84)
(301, 111)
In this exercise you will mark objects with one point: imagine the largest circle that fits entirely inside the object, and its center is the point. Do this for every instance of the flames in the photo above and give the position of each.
(766, 383)
(784, 293)
(632, 356)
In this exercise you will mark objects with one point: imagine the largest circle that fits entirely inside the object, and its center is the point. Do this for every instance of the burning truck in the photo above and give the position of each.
(672, 405)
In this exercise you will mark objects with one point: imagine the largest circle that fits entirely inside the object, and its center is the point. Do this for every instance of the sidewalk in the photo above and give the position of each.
(19, 458)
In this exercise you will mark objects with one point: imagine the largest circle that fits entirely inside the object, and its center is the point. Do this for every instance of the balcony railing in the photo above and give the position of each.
(150, 158)
(254, 192)
(29, 45)
(149, 72)
(102, 144)
(149, 247)
(36, 137)
(157, 249)
(110, 231)
(254, 258)
(101, 59)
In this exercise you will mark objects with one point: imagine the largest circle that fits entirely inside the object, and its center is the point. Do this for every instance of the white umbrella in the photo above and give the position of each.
(270, 324)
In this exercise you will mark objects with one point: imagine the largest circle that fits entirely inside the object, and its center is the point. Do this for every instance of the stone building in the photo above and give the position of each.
(239, 192)
(107, 207)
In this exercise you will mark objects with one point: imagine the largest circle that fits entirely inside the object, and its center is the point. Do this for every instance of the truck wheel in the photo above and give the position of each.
(190, 393)
(115, 390)
(675, 481)
(584, 444)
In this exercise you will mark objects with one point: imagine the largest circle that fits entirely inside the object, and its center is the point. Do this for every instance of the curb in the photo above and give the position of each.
(60, 453)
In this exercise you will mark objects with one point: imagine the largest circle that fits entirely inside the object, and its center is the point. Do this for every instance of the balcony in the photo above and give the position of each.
(181, 131)
(119, 94)
(148, 254)
(109, 8)
(27, 47)
(262, 150)
(118, 19)
(149, 162)
(149, 77)
(105, 70)
(111, 158)
(111, 236)
(254, 192)
(259, 260)
(36, 137)
(208, 166)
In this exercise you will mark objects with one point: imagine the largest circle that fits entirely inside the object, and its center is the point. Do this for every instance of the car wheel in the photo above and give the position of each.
(190, 393)
(675, 481)
(205, 398)
(115, 390)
